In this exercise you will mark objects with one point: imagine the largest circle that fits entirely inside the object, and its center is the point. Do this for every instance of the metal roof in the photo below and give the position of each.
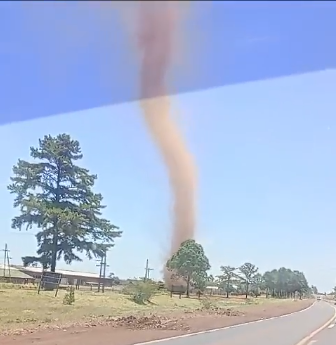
(63, 272)
(12, 273)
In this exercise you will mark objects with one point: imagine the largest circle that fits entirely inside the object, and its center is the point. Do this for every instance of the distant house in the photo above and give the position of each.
(212, 290)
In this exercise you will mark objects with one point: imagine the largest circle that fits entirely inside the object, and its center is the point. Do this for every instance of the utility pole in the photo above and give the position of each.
(147, 270)
(104, 271)
(6, 260)
(8, 265)
(100, 272)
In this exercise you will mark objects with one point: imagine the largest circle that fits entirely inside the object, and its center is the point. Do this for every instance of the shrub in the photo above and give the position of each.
(141, 292)
(207, 304)
(69, 297)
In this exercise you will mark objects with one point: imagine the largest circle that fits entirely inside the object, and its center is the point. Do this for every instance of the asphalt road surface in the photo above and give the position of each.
(326, 337)
(285, 330)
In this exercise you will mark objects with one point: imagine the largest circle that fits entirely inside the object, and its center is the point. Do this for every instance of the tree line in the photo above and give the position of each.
(191, 263)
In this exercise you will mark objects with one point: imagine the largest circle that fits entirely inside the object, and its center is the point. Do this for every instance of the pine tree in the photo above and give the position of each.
(56, 196)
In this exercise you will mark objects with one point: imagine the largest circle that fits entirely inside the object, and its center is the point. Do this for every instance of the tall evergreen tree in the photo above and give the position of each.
(56, 196)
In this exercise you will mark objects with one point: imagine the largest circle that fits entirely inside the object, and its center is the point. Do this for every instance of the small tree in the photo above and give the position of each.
(114, 279)
(190, 263)
(200, 282)
(314, 290)
(56, 196)
(257, 284)
(226, 278)
(248, 271)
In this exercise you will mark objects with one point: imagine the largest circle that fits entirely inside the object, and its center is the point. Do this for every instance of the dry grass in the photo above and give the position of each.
(24, 308)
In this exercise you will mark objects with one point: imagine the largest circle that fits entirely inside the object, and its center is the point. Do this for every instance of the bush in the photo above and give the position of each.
(69, 297)
(207, 304)
(141, 292)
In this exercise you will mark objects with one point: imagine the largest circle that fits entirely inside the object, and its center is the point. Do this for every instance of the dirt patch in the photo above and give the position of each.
(171, 322)
(151, 322)
(131, 330)
(220, 311)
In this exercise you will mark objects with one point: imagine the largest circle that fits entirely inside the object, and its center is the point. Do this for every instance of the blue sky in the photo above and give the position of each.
(265, 154)
(264, 149)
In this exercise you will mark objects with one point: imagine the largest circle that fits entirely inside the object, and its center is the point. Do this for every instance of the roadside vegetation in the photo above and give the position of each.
(191, 263)
(23, 309)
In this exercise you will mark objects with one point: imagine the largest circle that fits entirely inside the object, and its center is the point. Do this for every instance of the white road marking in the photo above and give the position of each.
(312, 342)
(221, 329)
(308, 338)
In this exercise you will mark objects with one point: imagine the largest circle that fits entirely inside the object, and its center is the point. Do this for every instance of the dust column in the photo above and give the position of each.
(156, 32)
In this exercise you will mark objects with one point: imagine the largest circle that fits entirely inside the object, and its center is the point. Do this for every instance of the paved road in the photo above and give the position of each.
(287, 330)
(326, 337)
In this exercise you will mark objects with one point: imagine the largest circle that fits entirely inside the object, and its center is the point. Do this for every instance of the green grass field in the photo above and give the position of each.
(24, 308)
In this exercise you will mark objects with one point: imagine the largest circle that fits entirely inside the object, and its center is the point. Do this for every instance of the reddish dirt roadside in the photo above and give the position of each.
(131, 330)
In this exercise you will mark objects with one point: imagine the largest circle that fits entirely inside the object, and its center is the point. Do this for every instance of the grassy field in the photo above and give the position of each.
(24, 308)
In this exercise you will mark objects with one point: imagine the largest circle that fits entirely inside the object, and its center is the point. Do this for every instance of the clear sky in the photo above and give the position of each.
(266, 159)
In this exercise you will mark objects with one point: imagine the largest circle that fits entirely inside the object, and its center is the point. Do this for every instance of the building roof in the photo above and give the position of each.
(12, 273)
(65, 273)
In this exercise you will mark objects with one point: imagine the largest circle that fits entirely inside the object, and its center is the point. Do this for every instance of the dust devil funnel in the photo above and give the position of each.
(156, 32)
